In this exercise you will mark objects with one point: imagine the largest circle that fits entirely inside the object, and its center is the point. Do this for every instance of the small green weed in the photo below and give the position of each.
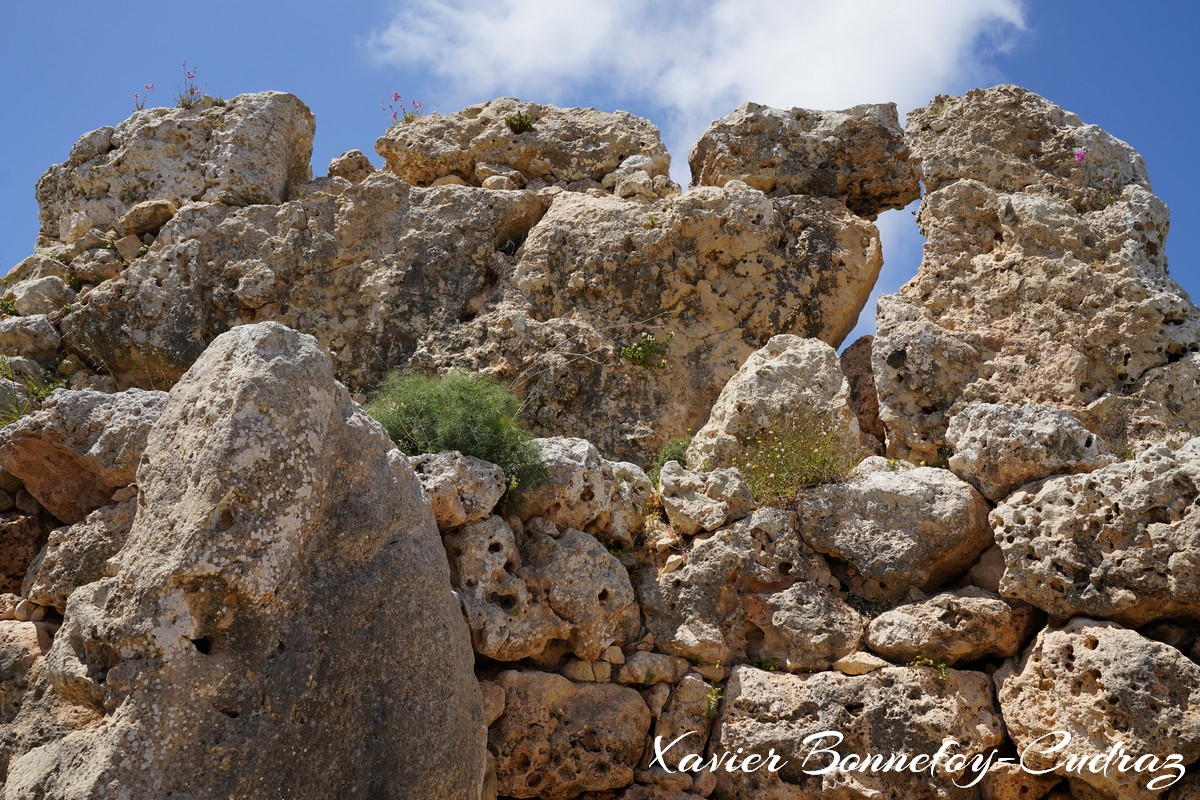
(674, 450)
(520, 122)
(647, 352)
(714, 697)
(942, 667)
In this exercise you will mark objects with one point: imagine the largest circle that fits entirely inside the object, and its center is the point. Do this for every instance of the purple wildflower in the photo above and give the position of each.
(1080, 155)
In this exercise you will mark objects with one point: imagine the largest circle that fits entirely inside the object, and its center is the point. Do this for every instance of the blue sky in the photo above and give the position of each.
(71, 67)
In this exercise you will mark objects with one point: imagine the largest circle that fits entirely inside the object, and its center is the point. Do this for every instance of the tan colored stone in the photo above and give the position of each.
(788, 376)
(1102, 684)
(697, 502)
(461, 489)
(77, 555)
(1117, 543)
(855, 362)
(353, 165)
(858, 155)
(859, 663)
(148, 216)
(558, 739)
(894, 531)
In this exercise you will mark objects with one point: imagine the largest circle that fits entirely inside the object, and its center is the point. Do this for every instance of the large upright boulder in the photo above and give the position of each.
(533, 146)
(253, 149)
(283, 590)
(857, 156)
(1044, 279)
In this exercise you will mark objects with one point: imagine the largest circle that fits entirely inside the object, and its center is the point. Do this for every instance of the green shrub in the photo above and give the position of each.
(647, 352)
(520, 122)
(674, 450)
(36, 391)
(807, 450)
(460, 411)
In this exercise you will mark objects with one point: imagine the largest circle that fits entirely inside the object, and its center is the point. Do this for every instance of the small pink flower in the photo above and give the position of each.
(189, 75)
(395, 96)
(149, 87)
(1080, 155)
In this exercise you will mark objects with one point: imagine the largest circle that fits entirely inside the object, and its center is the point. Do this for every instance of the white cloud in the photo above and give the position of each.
(687, 63)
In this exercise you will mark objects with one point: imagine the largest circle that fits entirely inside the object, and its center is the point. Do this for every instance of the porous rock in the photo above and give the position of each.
(752, 591)
(1000, 448)
(254, 149)
(461, 489)
(855, 362)
(1101, 684)
(353, 165)
(32, 337)
(703, 501)
(22, 536)
(78, 554)
(558, 739)
(964, 625)
(873, 712)
(80, 447)
(1117, 543)
(1044, 280)
(857, 155)
(282, 583)
(787, 377)
(892, 531)
(549, 587)
(570, 147)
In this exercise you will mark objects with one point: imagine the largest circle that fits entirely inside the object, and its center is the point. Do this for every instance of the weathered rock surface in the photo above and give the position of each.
(855, 362)
(963, 625)
(786, 378)
(22, 536)
(254, 149)
(78, 554)
(1044, 280)
(1101, 684)
(283, 582)
(587, 492)
(41, 296)
(366, 268)
(753, 591)
(721, 270)
(999, 448)
(893, 531)
(31, 337)
(576, 148)
(858, 155)
(353, 165)
(547, 588)
(1118, 543)
(558, 739)
(461, 489)
(80, 447)
(765, 710)
(703, 501)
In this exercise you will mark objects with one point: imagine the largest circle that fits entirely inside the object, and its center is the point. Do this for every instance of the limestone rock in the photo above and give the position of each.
(282, 583)
(558, 739)
(691, 708)
(353, 165)
(254, 149)
(703, 501)
(859, 663)
(1117, 543)
(1011, 782)
(148, 216)
(1102, 683)
(649, 668)
(366, 268)
(80, 447)
(873, 712)
(551, 587)
(582, 492)
(40, 296)
(569, 147)
(999, 448)
(31, 337)
(721, 270)
(1044, 280)
(22, 536)
(896, 531)
(752, 591)
(964, 625)
(788, 377)
(855, 362)
(858, 155)
(77, 555)
(461, 489)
